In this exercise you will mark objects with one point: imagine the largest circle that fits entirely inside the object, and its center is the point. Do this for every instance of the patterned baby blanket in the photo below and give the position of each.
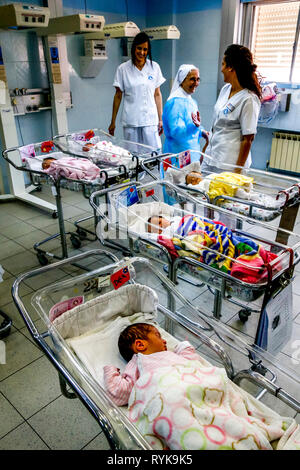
(189, 406)
(214, 244)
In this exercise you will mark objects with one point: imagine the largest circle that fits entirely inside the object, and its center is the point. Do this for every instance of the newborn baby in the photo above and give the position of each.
(73, 168)
(231, 184)
(47, 162)
(194, 177)
(87, 147)
(225, 183)
(157, 224)
(145, 339)
(177, 400)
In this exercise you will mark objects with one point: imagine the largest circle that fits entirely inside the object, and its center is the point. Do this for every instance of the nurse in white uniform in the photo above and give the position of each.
(139, 80)
(236, 112)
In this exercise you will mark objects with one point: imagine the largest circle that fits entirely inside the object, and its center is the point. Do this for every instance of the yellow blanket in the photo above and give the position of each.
(227, 183)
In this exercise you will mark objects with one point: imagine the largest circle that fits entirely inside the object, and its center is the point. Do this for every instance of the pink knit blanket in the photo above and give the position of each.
(73, 168)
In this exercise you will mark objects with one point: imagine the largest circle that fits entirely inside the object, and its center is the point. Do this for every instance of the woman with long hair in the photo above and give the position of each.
(139, 80)
(236, 111)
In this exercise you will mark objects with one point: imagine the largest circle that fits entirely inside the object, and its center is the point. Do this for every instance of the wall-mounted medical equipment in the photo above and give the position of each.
(71, 24)
(163, 32)
(94, 59)
(128, 29)
(32, 100)
(53, 59)
(29, 100)
(12, 184)
(23, 15)
(155, 32)
(95, 46)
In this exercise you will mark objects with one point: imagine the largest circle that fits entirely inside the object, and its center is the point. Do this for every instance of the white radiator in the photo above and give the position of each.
(285, 152)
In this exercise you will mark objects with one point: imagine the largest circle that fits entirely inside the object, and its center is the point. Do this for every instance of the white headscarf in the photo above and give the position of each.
(182, 73)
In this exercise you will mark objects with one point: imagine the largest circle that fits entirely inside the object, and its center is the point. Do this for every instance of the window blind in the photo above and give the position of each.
(274, 33)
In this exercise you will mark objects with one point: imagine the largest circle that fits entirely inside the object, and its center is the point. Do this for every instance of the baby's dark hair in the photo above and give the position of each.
(158, 216)
(128, 337)
(149, 223)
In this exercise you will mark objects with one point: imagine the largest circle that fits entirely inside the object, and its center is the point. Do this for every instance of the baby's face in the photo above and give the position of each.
(47, 162)
(155, 342)
(87, 147)
(158, 224)
(193, 178)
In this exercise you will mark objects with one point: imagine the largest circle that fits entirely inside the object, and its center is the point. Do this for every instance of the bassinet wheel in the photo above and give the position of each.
(43, 260)
(5, 326)
(5, 332)
(244, 315)
(54, 215)
(81, 233)
(75, 242)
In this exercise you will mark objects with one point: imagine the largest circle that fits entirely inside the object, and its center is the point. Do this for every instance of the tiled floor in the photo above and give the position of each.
(34, 414)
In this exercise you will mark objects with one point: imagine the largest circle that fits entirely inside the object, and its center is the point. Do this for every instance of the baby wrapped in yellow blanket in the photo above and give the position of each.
(229, 184)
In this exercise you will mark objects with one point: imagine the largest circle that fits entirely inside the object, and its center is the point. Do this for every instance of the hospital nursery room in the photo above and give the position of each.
(149, 226)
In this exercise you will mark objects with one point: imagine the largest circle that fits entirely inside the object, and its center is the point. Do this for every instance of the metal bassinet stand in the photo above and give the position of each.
(56, 184)
(226, 348)
(109, 177)
(73, 144)
(5, 321)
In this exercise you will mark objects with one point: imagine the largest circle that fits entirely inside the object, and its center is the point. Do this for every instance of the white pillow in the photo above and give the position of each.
(100, 349)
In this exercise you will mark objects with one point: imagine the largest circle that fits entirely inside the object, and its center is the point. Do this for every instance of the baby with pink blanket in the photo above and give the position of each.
(179, 401)
(73, 168)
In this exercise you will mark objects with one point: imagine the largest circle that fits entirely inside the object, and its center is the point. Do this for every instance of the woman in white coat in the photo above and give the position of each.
(236, 111)
(139, 80)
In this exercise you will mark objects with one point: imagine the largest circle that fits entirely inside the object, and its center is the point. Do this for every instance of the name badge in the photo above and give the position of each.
(229, 108)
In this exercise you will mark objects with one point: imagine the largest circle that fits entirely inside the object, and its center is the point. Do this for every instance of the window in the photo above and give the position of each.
(274, 34)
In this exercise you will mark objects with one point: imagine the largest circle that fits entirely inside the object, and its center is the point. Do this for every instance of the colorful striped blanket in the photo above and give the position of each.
(212, 243)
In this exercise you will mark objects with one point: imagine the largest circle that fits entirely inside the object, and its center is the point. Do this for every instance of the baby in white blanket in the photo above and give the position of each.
(160, 225)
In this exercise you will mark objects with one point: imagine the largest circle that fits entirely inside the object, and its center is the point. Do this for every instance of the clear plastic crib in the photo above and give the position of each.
(271, 193)
(272, 380)
(123, 225)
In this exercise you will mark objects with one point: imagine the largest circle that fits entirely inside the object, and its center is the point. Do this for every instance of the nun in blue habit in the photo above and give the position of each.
(181, 118)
